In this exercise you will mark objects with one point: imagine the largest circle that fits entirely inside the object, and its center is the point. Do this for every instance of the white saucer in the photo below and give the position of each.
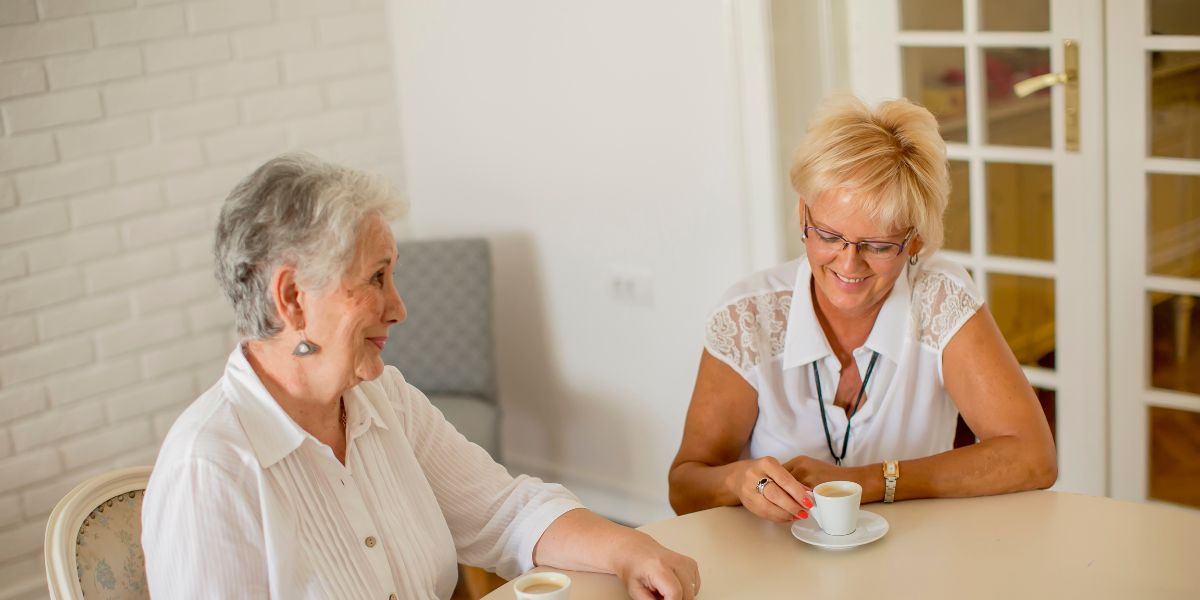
(870, 528)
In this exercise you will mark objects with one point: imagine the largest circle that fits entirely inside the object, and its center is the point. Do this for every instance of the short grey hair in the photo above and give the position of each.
(299, 210)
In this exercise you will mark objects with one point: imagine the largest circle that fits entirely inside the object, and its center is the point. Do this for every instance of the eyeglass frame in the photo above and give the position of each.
(858, 246)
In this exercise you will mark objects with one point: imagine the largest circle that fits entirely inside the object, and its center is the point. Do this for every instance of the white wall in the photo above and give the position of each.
(123, 127)
(809, 55)
(579, 136)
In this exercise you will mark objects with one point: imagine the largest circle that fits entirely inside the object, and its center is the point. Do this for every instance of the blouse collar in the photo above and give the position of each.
(805, 341)
(272, 432)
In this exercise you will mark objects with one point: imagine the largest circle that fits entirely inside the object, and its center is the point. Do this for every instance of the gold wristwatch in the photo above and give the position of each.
(891, 473)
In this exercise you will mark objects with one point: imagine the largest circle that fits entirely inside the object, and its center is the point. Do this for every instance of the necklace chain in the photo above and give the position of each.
(837, 460)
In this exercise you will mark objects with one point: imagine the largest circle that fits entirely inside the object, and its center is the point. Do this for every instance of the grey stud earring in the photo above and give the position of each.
(912, 260)
(305, 347)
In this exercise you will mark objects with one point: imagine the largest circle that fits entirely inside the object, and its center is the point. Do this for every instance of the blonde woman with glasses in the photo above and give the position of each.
(854, 361)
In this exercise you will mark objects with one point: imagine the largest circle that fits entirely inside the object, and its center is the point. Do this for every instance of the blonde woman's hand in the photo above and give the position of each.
(650, 571)
(812, 472)
(782, 499)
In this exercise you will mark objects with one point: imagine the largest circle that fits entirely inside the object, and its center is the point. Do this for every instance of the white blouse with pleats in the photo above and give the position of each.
(243, 503)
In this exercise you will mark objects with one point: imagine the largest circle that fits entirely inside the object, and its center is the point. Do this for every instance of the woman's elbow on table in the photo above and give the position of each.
(681, 500)
(1046, 467)
(1038, 463)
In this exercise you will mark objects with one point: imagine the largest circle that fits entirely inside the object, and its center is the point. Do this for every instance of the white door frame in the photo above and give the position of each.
(1079, 206)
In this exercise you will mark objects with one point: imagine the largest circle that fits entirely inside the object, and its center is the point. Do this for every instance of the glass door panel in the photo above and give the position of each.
(1014, 15)
(1047, 399)
(1020, 200)
(1174, 446)
(1173, 225)
(935, 78)
(958, 209)
(1013, 121)
(931, 15)
(1024, 309)
(1175, 103)
(1174, 342)
(1173, 17)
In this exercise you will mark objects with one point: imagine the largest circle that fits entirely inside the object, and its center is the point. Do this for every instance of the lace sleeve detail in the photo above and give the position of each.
(749, 330)
(943, 303)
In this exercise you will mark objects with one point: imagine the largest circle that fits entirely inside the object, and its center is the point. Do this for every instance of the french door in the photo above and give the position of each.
(1154, 248)
(1027, 211)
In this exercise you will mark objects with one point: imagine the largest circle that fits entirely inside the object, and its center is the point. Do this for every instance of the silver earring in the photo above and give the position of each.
(912, 260)
(305, 347)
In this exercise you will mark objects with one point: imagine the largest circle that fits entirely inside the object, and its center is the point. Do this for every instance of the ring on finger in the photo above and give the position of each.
(762, 484)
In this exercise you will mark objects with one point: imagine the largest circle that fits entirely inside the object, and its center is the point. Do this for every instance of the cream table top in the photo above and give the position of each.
(1028, 545)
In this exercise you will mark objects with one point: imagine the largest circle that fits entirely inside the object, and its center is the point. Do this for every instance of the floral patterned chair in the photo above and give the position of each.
(94, 539)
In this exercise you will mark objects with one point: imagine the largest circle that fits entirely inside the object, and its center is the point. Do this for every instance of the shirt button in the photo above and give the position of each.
(393, 597)
(370, 541)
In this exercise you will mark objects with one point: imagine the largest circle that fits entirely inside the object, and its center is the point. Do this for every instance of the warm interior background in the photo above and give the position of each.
(585, 144)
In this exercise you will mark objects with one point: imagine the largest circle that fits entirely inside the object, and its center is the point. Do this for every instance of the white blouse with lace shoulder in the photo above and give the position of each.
(767, 331)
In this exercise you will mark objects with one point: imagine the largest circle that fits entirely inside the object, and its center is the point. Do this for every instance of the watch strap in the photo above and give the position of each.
(891, 474)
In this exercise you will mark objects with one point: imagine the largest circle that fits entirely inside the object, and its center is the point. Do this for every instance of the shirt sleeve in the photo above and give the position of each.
(944, 299)
(745, 331)
(202, 534)
(495, 519)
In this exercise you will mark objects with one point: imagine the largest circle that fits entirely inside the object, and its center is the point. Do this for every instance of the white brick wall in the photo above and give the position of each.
(123, 125)
(103, 137)
(21, 78)
(63, 179)
(94, 67)
(49, 110)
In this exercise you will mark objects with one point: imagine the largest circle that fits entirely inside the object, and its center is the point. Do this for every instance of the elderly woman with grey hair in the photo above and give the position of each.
(310, 469)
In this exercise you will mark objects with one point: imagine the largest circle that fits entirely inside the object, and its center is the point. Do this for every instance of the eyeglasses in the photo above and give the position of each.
(830, 242)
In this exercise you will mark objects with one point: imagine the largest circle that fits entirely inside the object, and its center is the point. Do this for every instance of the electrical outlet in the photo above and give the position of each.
(632, 286)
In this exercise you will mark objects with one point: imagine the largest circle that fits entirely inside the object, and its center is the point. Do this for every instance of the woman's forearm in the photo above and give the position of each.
(696, 486)
(995, 466)
(581, 540)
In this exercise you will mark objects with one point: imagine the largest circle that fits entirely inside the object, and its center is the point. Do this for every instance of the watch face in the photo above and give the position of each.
(890, 469)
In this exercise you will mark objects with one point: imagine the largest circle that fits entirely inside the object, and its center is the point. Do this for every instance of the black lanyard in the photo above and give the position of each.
(837, 460)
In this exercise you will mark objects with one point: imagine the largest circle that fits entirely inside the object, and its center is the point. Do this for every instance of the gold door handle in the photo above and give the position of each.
(1070, 80)
(1026, 87)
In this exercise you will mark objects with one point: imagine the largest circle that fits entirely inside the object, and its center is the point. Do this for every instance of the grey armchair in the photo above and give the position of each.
(445, 346)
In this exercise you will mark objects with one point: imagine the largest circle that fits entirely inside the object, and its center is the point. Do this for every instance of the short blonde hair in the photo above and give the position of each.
(891, 157)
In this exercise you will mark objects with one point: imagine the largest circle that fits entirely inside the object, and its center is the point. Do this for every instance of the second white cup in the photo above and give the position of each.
(836, 509)
(543, 586)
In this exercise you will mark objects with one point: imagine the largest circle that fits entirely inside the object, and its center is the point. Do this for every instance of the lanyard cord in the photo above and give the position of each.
(837, 460)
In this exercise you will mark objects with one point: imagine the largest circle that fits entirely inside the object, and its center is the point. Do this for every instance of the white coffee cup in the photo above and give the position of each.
(543, 586)
(837, 502)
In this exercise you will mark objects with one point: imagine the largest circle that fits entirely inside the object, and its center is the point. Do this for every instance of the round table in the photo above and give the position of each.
(1028, 545)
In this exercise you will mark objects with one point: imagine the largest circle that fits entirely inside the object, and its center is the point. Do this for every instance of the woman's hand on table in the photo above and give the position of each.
(812, 472)
(650, 571)
(783, 500)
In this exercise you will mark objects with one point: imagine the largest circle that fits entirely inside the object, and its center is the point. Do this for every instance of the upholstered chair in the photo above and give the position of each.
(94, 539)
(445, 346)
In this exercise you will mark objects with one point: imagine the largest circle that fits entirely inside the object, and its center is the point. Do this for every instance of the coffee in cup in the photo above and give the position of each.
(543, 586)
(836, 510)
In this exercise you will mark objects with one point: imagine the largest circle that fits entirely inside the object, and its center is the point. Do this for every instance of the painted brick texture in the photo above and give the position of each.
(123, 125)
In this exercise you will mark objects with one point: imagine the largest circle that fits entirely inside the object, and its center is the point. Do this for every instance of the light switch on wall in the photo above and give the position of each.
(631, 285)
